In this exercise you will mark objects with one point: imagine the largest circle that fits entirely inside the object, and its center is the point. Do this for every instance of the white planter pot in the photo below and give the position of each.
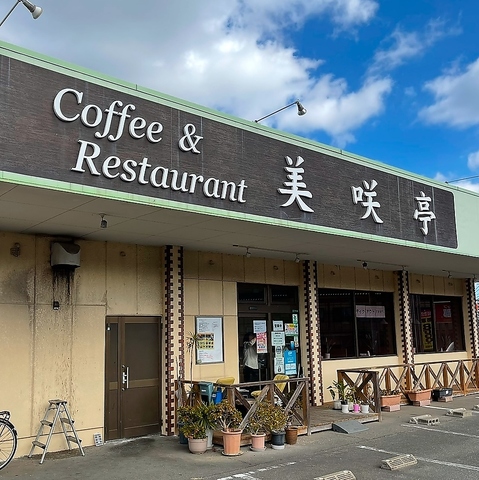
(337, 405)
(344, 408)
(364, 408)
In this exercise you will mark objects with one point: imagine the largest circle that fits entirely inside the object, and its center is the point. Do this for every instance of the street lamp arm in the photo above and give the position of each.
(34, 10)
(301, 110)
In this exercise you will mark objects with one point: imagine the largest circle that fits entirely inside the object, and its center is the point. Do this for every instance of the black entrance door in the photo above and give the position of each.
(132, 406)
(273, 305)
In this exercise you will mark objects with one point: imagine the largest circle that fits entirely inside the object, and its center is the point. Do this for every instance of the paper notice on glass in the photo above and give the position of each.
(277, 325)
(277, 339)
(291, 329)
(259, 326)
(278, 365)
(261, 342)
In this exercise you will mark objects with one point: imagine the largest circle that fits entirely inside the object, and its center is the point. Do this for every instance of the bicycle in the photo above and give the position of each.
(8, 439)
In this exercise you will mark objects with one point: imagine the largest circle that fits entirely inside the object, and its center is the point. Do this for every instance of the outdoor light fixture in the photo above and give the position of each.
(365, 265)
(297, 259)
(56, 305)
(34, 10)
(103, 223)
(301, 110)
(248, 253)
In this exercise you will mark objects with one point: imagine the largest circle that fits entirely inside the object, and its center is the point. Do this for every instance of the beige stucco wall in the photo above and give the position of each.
(210, 289)
(60, 354)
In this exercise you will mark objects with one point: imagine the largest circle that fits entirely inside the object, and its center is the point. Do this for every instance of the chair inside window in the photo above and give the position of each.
(222, 381)
(280, 385)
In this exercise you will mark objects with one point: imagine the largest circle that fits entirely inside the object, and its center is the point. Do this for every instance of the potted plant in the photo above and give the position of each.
(225, 417)
(275, 420)
(194, 424)
(419, 396)
(339, 388)
(368, 391)
(390, 400)
(256, 426)
(328, 345)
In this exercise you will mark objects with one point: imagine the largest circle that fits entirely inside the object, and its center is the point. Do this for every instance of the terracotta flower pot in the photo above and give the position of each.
(419, 396)
(232, 442)
(389, 400)
(197, 445)
(257, 442)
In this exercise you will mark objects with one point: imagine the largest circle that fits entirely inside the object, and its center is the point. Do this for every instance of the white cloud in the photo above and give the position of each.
(456, 97)
(473, 161)
(467, 183)
(230, 55)
(405, 46)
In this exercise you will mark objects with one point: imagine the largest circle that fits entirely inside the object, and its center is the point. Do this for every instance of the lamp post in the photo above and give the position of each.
(34, 10)
(301, 110)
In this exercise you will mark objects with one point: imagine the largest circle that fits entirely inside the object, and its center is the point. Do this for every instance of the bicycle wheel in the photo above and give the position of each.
(8, 443)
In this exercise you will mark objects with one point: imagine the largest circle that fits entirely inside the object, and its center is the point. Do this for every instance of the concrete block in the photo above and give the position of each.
(422, 403)
(459, 412)
(391, 408)
(424, 420)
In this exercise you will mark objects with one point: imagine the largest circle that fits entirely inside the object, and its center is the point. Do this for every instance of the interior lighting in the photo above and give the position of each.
(103, 222)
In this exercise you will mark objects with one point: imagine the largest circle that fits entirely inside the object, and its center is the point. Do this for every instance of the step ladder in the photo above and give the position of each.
(57, 410)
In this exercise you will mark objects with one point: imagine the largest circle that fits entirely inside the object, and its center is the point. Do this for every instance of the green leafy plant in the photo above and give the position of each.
(274, 417)
(340, 388)
(195, 419)
(257, 422)
(224, 416)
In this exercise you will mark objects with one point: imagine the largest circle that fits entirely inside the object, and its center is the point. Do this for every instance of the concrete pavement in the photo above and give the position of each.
(445, 451)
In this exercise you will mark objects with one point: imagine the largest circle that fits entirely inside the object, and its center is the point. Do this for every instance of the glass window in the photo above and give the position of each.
(251, 293)
(281, 294)
(437, 323)
(354, 324)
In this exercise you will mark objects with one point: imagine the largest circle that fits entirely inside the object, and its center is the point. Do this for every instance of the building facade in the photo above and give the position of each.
(131, 220)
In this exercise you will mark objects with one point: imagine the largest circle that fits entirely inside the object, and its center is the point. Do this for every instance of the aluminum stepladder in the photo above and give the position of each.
(58, 409)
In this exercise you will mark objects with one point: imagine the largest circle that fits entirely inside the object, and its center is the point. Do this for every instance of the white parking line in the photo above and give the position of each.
(249, 475)
(422, 459)
(433, 429)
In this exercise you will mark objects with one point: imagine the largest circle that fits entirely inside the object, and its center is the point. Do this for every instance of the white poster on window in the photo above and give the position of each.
(277, 325)
(209, 339)
(278, 365)
(259, 326)
(277, 339)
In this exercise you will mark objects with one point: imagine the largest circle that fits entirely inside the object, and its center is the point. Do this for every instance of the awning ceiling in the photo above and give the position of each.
(39, 211)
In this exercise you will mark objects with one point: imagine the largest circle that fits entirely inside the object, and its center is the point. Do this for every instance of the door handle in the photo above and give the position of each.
(125, 377)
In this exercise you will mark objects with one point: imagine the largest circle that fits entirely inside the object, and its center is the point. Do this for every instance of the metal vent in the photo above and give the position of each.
(343, 475)
(400, 461)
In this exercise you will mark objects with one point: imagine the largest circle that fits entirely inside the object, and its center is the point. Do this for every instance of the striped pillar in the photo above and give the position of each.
(173, 332)
(472, 317)
(313, 345)
(405, 317)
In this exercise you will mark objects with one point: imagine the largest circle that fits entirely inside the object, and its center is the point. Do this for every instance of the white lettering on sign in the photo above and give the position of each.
(296, 188)
(130, 170)
(111, 123)
(423, 212)
(366, 197)
(92, 115)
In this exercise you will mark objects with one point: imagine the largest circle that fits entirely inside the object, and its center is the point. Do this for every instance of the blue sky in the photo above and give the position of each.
(396, 82)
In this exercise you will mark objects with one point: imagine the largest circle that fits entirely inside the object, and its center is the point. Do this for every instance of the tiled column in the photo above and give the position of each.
(405, 317)
(313, 345)
(173, 332)
(472, 317)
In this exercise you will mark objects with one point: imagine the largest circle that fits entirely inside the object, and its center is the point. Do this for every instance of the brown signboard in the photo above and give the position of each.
(64, 128)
